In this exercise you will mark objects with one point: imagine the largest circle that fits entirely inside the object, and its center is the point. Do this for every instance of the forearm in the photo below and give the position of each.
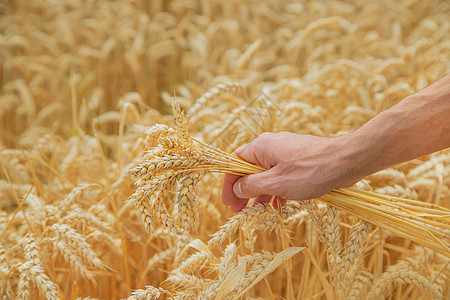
(418, 125)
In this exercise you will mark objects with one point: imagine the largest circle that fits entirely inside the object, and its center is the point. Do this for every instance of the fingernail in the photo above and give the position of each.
(239, 189)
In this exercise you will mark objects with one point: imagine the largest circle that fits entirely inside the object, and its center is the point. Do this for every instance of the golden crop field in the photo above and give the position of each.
(86, 89)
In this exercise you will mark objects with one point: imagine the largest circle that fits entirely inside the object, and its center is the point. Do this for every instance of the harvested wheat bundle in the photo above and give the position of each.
(179, 158)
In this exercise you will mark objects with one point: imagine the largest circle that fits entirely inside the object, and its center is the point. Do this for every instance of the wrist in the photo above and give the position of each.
(371, 147)
(353, 158)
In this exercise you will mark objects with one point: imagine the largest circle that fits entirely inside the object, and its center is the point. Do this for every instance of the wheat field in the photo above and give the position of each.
(83, 85)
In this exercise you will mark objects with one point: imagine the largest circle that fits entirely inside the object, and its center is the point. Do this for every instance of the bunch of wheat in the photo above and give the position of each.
(177, 159)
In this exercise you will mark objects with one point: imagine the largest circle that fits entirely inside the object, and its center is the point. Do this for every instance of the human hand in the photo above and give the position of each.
(299, 167)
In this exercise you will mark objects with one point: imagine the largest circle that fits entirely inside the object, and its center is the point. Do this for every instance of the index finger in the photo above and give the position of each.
(228, 196)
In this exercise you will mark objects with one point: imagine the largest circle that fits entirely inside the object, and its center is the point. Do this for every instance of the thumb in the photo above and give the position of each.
(253, 185)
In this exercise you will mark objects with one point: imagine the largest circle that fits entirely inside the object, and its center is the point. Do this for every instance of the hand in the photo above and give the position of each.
(299, 167)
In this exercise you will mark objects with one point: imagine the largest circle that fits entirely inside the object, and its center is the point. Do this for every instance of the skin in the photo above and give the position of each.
(303, 167)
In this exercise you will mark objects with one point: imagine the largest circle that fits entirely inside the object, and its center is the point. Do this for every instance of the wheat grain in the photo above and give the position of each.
(32, 273)
(194, 263)
(150, 293)
(71, 257)
(84, 218)
(353, 257)
(220, 88)
(403, 272)
(247, 214)
(317, 217)
(387, 177)
(229, 260)
(186, 202)
(106, 240)
(5, 283)
(359, 285)
(74, 194)
(245, 57)
(159, 258)
(187, 282)
(332, 233)
(78, 242)
(254, 270)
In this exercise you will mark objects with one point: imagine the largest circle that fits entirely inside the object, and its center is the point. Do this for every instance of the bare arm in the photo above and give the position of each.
(303, 166)
(418, 125)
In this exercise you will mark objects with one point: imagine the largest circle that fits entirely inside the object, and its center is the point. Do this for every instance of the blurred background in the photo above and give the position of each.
(62, 60)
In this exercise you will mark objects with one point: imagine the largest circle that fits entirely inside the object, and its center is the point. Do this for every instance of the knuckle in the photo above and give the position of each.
(261, 141)
(238, 151)
(284, 196)
(284, 134)
(259, 182)
(265, 136)
(249, 185)
(244, 185)
(271, 183)
(252, 184)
